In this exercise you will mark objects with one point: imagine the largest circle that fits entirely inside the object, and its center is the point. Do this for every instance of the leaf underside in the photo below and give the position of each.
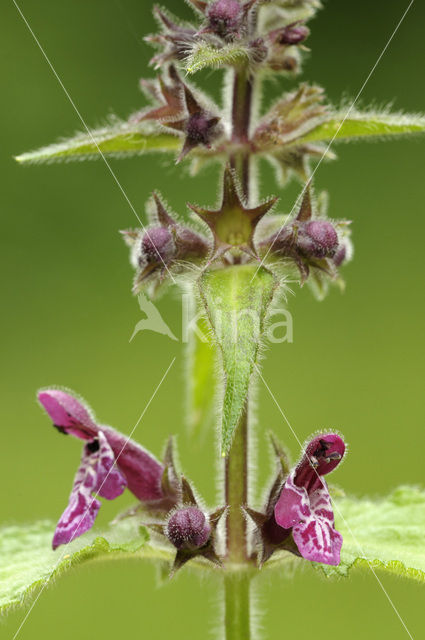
(236, 301)
(119, 139)
(29, 564)
(387, 534)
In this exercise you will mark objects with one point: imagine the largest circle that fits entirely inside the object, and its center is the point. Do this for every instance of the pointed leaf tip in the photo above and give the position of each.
(119, 139)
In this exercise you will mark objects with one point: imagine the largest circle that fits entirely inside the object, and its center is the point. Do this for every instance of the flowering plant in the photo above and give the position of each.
(236, 260)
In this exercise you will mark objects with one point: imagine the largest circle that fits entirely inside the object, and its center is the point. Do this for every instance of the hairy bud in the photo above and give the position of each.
(224, 17)
(157, 247)
(200, 128)
(188, 529)
(292, 34)
(340, 256)
(318, 238)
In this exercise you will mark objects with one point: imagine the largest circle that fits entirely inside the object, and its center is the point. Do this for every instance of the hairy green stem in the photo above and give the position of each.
(237, 606)
(236, 481)
(237, 583)
(236, 478)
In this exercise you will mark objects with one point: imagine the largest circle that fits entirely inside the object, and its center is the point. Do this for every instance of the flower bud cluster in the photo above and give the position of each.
(272, 42)
(311, 241)
(158, 250)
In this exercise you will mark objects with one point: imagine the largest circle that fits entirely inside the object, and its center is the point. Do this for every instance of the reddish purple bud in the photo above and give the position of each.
(323, 233)
(157, 247)
(188, 529)
(293, 34)
(199, 128)
(224, 17)
(318, 239)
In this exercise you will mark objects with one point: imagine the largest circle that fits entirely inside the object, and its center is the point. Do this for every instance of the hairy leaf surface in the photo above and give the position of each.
(236, 300)
(386, 534)
(364, 125)
(206, 56)
(28, 562)
(120, 139)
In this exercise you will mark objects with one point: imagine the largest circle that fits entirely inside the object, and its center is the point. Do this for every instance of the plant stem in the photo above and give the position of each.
(237, 583)
(236, 474)
(236, 480)
(237, 614)
(243, 89)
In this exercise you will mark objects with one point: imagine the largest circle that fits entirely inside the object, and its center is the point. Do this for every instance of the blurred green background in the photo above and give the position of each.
(356, 362)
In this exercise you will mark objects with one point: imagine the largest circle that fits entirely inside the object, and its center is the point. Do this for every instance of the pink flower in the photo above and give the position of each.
(304, 505)
(109, 463)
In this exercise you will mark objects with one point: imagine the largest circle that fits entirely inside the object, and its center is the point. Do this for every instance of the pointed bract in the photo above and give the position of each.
(170, 93)
(234, 224)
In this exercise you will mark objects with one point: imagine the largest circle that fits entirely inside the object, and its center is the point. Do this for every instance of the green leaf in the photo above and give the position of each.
(384, 534)
(363, 125)
(201, 379)
(204, 55)
(236, 300)
(120, 139)
(28, 562)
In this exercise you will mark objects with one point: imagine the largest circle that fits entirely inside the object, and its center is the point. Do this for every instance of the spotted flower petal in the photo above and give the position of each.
(96, 474)
(304, 504)
(312, 522)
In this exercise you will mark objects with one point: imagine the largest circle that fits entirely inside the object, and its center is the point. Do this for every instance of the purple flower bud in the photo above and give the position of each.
(340, 256)
(188, 529)
(199, 128)
(157, 247)
(224, 17)
(318, 238)
(293, 34)
(323, 233)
